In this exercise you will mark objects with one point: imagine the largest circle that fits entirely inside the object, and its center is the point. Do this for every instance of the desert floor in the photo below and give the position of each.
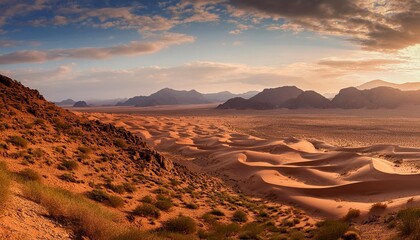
(324, 161)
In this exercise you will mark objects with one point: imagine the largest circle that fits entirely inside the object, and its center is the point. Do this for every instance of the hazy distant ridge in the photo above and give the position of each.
(348, 98)
(169, 96)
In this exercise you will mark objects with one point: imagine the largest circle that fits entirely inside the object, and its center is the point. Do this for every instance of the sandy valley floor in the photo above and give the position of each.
(323, 161)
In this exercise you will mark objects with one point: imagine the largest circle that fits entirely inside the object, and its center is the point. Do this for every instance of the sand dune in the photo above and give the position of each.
(317, 176)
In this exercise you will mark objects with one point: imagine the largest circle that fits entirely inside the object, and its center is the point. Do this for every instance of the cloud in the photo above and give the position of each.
(359, 65)
(129, 49)
(374, 24)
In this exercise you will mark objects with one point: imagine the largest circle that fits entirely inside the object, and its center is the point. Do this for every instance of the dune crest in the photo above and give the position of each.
(317, 176)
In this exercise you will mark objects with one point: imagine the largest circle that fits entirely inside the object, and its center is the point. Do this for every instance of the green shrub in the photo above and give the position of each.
(147, 210)
(239, 216)
(68, 165)
(164, 205)
(84, 150)
(115, 201)
(147, 199)
(68, 177)
(180, 224)
(251, 231)
(4, 187)
(18, 141)
(330, 229)
(120, 143)
(351, 215)
(217, 212)
(191, 205)
(87, 217)
(29, 175)
(378, 207)
(98, 195)
(409, 222)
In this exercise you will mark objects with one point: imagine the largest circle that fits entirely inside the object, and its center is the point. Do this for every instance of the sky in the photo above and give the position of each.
(117, 49)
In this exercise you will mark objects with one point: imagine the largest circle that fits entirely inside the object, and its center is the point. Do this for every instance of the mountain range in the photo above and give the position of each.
(409, 86)
(348, 98)
(169, 96)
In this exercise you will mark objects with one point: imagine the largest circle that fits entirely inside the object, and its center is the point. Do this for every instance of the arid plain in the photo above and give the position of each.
(324, 161)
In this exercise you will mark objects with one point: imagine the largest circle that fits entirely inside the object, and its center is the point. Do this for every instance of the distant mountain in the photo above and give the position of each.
(67, 102)
(167, 96)
(380, 97)
(105, 102)
(224, 96)
(308, 99)
(241, 103)
(348, 98)
(277, 96)
(409, 86)
(80, 104)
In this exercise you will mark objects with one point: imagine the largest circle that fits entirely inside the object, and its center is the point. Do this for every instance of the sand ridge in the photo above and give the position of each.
(312, 174)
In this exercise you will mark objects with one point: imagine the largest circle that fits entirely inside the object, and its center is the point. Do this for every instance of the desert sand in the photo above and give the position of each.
(323, 178)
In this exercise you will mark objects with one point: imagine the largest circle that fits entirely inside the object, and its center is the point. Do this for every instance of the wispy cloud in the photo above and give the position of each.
(129, 49)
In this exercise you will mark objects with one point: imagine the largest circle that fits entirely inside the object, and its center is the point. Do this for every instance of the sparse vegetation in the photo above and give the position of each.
(147, 210)
(217, 212)
(409, 222)
(378, 207)
(331, 229)
(351, 215)
(239, 216)
(68, 165)
(180, 224)
(101, 196)
(4, 185)
(89, 219)
(18, 141)
(164, 204)
(28, 174)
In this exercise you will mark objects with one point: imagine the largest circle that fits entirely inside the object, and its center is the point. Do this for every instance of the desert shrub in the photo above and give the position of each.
(251, 231)
(147, 199)
(239, 216)
(39, 121)
(180, 224)
(4, 186)
(409, 222)
(331, 229)
(378, 207)
(351, 215)
(68, 177)
(103, 197)
(351, 235)
(128, 187)
(115, 201)
(98, 195)
(147, 210)
(191, 205)
(296, 235)
(263, 214)
(68, 165)
(217, 212)
(18, 141)
(84, 149)
(164, 205)
(29, 175)
(89, 218)
(120, 143)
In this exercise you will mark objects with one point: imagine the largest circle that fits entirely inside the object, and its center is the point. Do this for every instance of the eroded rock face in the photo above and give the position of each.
(19, 103)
